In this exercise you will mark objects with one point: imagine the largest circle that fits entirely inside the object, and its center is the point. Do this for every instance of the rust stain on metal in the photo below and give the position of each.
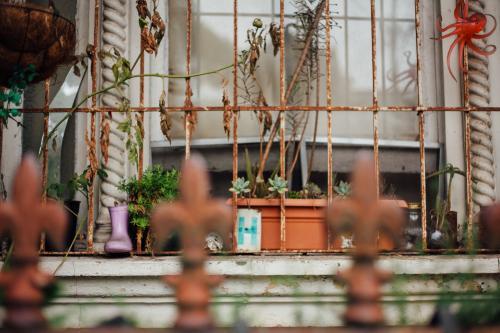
(189, 116)
(421, 126)
(235, 121)
(25, 218)
(140, 162)
(365, 216)
(468, 165)
(283, 102)
(45, 152)
(373, 20)
(329, 102)
(194, 216)
(307, 108)
(91, 149)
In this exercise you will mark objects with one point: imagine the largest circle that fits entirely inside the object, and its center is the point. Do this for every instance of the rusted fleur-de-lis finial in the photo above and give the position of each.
(365, 216)
(25, 217)
(193, 216)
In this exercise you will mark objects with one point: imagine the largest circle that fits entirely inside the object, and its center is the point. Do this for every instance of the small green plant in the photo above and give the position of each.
(156, 185)
(309, 191)
(240, 186)
(443, 207)
(10, 99)
(79, 183)
(277, 185)
(343, 189)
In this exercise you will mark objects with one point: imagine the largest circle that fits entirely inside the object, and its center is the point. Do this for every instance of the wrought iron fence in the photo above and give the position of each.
(375, 108)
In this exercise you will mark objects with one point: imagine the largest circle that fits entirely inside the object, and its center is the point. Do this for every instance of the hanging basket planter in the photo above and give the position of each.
(33, 35)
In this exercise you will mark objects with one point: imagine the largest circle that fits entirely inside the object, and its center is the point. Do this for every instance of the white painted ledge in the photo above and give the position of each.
(316, 265)
(265, 290)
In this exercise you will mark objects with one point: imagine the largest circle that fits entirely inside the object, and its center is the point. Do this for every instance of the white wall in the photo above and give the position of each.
(212, 42)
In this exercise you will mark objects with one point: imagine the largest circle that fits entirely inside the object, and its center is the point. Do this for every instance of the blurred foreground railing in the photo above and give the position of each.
(25, 287)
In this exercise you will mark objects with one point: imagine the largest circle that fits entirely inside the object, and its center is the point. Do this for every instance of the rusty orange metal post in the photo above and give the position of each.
(25, 218)
(194, 216)
(365, 216)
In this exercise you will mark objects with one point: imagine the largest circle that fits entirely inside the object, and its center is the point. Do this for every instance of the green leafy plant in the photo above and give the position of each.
(277, 185)
(156, 185)
(240, 186)
(443, 207)
(79, 183)
(10, 99)
(343, 189)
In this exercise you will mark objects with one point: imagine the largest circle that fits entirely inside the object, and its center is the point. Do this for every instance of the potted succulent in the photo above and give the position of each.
(304, 211)
(303, 214)
(443, 229)
(156, 185)
(305, 227)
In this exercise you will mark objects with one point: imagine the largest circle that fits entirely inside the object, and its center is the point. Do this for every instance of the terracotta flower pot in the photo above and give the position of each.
(119, 242)
(305, 227)
(489, 227)
(33, 35)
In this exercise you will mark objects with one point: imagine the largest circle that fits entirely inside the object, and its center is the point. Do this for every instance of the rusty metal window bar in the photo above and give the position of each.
(330, 108)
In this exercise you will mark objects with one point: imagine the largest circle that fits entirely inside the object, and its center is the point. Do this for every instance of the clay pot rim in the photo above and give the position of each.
(263, 202)
(35, 7)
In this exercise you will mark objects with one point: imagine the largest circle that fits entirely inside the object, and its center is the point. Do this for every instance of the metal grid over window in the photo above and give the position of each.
(330, 108)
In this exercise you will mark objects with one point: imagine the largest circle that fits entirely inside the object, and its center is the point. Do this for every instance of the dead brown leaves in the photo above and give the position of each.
(105, 130)
(92, 156)
(191, 116)
(148, 41)
(142, 9)
(152, 27)
(274, 32)
(165, 118)
(228, 114)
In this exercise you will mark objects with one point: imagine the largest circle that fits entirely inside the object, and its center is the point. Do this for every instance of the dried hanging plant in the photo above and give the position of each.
(228, 114)
(165, 118)
(191, 116)
(306, 27)
(105, 129)
(317, 24)
(92, 156)
(152, 27)
(274, 32)
(252, 92)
